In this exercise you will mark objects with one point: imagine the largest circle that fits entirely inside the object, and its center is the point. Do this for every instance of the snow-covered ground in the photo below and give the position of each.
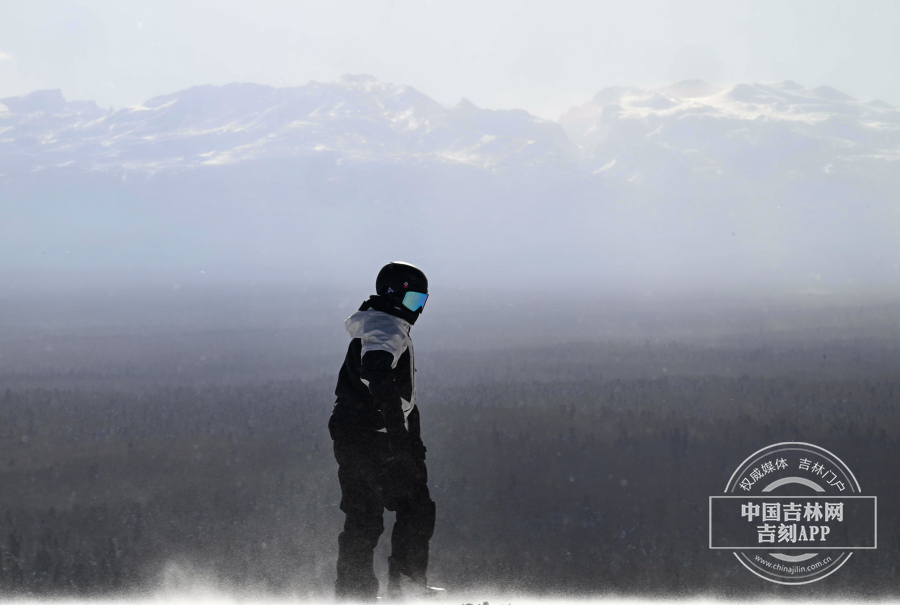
(490, 599)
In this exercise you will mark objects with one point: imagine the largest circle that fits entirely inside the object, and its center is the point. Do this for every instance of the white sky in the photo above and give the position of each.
(540, 56)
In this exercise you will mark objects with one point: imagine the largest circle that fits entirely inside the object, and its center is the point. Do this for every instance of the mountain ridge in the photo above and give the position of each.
(361, 118)
(682, 187)
(357, 116)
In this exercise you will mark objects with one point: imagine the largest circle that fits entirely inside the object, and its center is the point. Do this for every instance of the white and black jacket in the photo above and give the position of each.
(376, 388)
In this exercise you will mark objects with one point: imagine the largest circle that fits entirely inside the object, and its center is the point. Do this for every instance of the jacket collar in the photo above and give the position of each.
(391, 306)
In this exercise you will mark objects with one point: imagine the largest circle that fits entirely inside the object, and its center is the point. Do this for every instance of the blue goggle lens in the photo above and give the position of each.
(414, 300)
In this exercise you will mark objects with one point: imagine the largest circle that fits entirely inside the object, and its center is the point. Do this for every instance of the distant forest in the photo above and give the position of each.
(548, 476)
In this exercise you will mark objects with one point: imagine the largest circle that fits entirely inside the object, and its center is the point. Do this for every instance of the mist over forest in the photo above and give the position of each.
(624, 304)
(154, 441)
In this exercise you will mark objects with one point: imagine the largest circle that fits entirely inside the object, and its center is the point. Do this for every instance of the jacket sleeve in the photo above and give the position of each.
(377, 371)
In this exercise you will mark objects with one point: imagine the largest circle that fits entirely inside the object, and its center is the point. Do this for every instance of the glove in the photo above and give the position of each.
(418, 449)
(403, 444)
(403, 480)
(400, 442)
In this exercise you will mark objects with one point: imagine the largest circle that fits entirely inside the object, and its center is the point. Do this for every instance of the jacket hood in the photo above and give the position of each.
(369, 320)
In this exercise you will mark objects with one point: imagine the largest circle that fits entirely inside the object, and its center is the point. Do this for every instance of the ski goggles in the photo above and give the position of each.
(414, 300)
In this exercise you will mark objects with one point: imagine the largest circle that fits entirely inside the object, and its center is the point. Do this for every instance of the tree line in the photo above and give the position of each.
(577, 486)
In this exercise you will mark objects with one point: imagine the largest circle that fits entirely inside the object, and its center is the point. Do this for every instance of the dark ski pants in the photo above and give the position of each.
(372, 480)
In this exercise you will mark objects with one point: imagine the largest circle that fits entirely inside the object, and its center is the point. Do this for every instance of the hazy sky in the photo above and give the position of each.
(541, 56)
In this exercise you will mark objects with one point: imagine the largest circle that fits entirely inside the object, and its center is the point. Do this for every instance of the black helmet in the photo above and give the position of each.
(397, 280)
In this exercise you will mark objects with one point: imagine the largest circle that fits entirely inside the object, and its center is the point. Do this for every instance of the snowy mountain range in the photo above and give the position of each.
(691, 183)
(755, 130)
(359, 117)
(629, 133)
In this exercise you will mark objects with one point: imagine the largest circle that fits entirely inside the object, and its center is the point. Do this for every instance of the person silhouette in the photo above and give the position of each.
(378, 446)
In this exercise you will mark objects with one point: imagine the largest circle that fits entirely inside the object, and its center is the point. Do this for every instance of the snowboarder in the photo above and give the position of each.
(377, 442)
